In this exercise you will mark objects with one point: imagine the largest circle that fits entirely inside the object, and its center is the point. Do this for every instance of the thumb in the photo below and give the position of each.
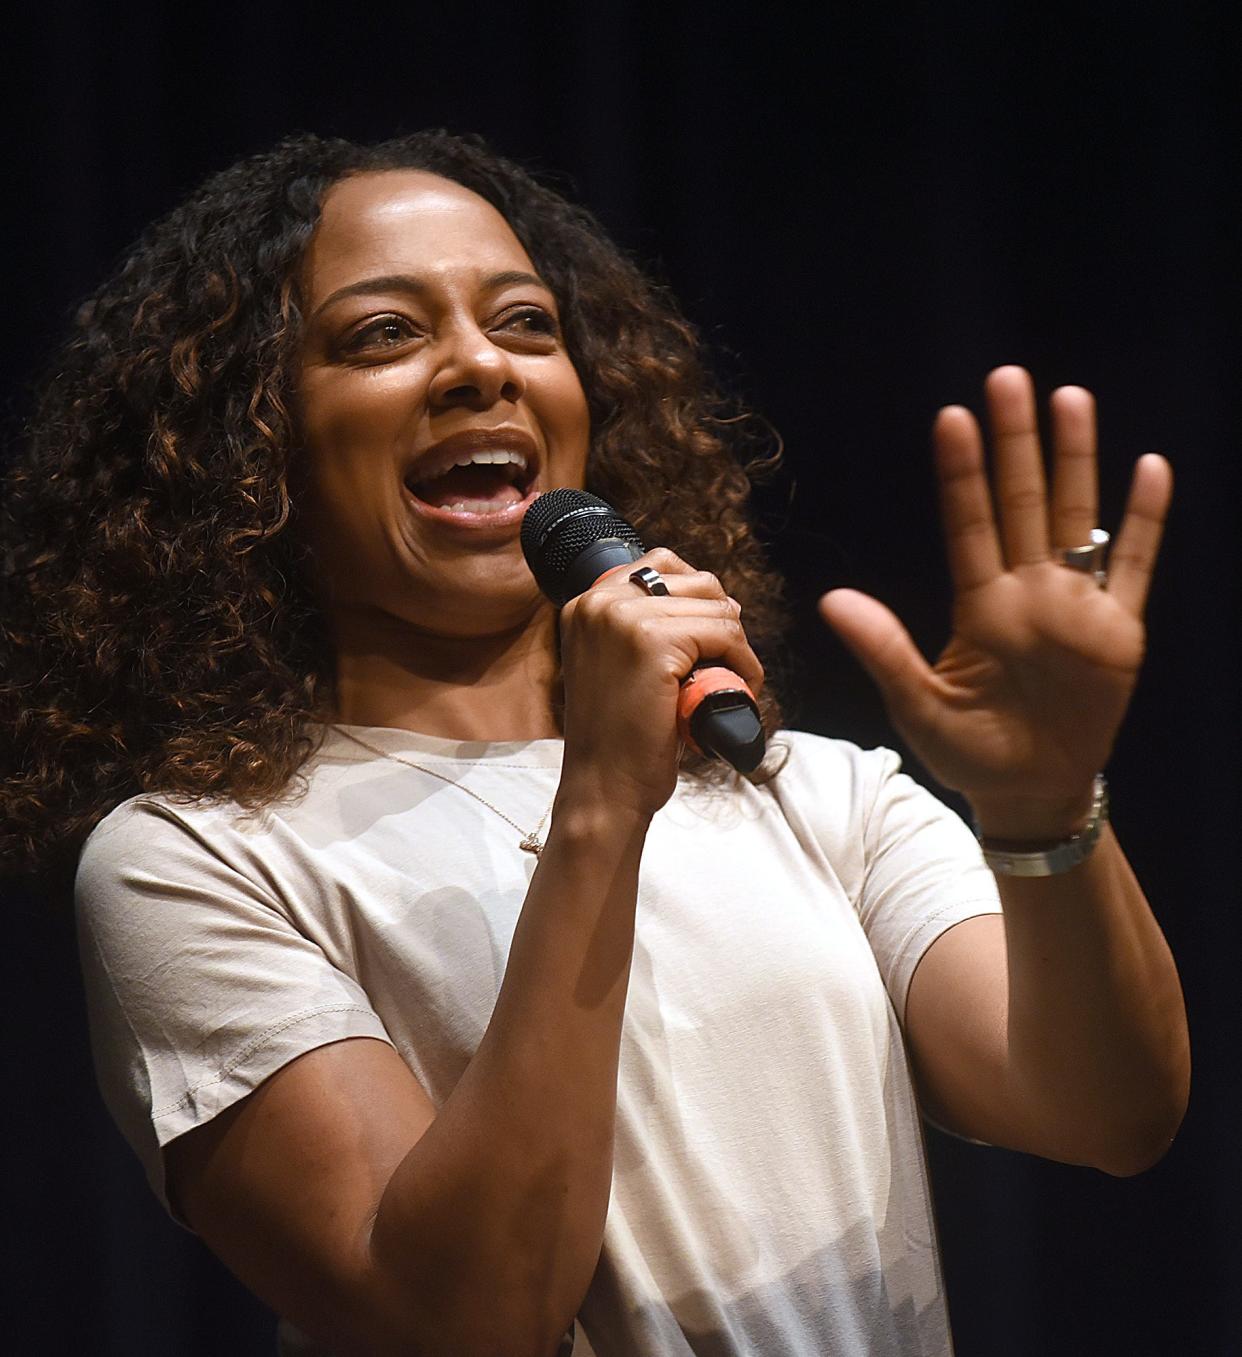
(878, 641)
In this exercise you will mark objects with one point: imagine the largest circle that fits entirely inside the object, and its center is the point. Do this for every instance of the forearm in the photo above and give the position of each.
(1098, 1052)
(494, 1220)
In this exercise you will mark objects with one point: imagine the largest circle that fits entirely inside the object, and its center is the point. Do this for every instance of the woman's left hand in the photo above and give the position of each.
(1022, 707)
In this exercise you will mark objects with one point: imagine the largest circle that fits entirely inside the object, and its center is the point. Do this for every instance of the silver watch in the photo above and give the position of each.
(1016, 860)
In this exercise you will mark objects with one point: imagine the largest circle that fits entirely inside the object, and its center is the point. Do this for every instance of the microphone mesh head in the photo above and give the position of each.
(559, 526)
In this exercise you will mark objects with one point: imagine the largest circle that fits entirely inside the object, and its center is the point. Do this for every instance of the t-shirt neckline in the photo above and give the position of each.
(351, 741)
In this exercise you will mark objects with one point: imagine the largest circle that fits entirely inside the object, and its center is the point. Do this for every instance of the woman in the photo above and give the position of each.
(378, 992)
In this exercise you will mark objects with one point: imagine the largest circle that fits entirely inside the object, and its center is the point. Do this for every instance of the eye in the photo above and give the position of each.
(384, 332)
(532, 321)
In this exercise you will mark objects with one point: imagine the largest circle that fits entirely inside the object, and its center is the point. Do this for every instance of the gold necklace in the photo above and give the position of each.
(530, 842)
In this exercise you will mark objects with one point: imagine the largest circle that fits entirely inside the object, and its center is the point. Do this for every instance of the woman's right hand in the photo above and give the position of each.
(624, 656)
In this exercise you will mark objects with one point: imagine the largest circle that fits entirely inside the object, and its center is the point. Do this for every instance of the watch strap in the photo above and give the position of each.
(1008, 858)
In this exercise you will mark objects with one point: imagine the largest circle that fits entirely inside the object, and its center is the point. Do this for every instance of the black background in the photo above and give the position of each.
(864, 209)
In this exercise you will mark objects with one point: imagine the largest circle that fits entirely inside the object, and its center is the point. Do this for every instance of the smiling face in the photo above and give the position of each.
(436, 399)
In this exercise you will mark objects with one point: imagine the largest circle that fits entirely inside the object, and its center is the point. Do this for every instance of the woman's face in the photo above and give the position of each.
(436, 400)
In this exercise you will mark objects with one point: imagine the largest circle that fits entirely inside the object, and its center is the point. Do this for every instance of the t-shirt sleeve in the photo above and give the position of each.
(923, 873)
(908, 863)
(198, 986)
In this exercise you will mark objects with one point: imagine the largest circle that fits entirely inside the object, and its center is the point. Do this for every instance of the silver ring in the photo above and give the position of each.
(650, 581)
(1089, 559)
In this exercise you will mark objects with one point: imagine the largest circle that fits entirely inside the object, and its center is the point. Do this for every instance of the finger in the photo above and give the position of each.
(1075, 496)
(635, 608)
(965, 504)
(667, 562)
(630, 607)
(678, 577)
(1133, 557)
(1021, 495)
(695, 584)
(689, 641)
(684, 631)
(883, 647)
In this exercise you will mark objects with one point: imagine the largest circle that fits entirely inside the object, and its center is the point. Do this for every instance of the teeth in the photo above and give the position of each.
(496, 458)
(478, 506)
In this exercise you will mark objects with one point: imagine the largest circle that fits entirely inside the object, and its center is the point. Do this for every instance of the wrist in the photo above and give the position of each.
(1050, 857)
(1032, 820)
(588, 807)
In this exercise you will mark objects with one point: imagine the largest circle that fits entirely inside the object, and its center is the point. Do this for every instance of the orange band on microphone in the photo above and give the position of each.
(701, 684)
(612, 570)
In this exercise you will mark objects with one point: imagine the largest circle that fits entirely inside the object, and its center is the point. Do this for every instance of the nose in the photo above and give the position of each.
(474, 371)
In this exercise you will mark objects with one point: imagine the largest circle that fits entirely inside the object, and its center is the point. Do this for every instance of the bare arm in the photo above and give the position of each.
(1059, 1028)
(341, 1196)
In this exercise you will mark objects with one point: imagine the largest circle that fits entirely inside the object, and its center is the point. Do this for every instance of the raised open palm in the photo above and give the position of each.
(1023, 705)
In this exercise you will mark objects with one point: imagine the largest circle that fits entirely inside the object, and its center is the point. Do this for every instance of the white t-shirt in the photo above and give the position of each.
(769, 1186)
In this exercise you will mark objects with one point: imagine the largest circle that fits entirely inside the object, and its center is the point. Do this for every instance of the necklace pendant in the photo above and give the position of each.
(531, 843)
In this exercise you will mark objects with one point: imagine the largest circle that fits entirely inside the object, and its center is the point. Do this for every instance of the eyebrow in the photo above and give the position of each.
(415, 287)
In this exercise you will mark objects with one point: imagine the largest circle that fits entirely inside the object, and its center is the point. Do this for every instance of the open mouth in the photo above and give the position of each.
(485, 482)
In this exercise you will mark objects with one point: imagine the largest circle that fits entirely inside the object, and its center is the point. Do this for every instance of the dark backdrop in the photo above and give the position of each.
(864, 212)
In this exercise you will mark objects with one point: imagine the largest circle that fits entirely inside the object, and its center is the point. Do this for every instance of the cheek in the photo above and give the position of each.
(354, 429)
(573, 419)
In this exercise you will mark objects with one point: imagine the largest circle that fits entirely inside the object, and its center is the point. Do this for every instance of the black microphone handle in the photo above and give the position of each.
(596, 560)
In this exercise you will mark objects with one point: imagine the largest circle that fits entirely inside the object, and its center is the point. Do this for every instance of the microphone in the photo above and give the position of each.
(570, 538)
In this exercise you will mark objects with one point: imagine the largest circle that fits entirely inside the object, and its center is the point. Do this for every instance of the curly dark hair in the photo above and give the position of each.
(158, 626)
